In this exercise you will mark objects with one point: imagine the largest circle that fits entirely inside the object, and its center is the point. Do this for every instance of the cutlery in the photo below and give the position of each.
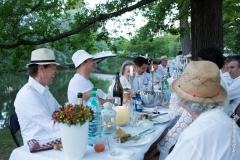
(148, 132)
(138, 136)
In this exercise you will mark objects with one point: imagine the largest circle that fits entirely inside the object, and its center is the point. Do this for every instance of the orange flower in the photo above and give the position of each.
(73, 114)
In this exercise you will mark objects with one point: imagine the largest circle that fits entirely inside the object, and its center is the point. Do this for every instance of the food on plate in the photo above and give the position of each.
(145, 116)
(167, 104)
(123, 135)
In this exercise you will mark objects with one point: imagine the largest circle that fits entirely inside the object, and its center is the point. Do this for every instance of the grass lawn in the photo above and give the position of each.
(7, 143)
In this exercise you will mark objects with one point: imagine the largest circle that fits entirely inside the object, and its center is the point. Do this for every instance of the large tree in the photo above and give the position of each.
(28, 24)
(206, 24)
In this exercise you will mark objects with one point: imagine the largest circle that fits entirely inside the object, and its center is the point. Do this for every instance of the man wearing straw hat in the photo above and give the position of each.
(34, 103)
(164, 66)
(212, 135)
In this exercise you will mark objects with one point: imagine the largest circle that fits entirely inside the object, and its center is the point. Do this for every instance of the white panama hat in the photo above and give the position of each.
(79, 57)
(42, 56)
(189, 55)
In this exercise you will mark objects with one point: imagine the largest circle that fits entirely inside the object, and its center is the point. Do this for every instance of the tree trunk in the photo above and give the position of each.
(183, 8)
(206, 24)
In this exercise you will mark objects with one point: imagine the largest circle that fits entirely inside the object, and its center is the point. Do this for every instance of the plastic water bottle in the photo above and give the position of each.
(95, 126)
(166, 91)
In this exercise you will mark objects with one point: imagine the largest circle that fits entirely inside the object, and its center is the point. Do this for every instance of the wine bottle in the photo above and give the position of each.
(79, 98)
(168, 72)
(118, 89)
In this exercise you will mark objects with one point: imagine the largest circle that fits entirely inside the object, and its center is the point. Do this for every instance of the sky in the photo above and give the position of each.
(139, 22)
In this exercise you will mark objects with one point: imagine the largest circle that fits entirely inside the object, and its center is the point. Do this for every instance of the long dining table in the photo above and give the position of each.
(138, 150)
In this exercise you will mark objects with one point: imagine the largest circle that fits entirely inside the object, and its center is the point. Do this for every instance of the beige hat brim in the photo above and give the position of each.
(163, 57)
(222, 96)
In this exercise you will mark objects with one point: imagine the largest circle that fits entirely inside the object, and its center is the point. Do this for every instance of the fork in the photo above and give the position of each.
(139, 135)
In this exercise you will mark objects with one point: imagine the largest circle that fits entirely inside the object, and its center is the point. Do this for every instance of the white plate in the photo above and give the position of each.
(144, 140)
(161, 119)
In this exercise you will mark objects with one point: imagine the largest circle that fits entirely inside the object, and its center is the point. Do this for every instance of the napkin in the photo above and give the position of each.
(122, 153)
(102, 95)
(37, 146)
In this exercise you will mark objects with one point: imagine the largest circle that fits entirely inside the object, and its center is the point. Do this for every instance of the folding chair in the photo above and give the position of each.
(14, 127)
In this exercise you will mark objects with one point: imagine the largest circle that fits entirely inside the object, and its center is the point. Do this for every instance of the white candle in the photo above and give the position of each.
(131, 70)
(152, 68)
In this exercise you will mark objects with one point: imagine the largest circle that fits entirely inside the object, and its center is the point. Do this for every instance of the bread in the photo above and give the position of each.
(121, 133)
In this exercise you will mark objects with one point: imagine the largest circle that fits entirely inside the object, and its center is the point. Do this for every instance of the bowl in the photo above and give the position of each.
(151, 99)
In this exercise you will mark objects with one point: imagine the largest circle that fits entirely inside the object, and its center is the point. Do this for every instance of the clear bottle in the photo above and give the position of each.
(95, 126)
(175, 74)
(165, 90)
(118, 89)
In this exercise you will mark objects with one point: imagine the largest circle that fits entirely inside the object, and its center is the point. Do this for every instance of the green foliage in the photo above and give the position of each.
(143, 44)
(231, 27)
(7, 143)
(66, 26)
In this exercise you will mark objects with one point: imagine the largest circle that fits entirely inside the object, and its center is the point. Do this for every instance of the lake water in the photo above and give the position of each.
(11, 84)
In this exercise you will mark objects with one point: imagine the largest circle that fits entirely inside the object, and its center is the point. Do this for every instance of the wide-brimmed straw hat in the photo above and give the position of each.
(43, 56)
(200, 82)
(79, 57)
(162, 57)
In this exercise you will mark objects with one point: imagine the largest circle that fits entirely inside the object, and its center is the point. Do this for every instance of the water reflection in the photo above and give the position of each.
(11, 83)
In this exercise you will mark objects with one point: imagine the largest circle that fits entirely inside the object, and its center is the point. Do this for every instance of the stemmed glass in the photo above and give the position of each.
(132, 113)
(113, 144)
(116, 101)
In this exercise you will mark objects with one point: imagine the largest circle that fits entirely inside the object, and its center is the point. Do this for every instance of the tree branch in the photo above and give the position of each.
(99, 17)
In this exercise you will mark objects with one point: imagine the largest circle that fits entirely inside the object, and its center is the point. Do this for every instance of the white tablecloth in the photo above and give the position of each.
(139, 151)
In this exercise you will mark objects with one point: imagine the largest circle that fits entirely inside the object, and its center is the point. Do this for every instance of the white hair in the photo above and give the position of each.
(199, 107)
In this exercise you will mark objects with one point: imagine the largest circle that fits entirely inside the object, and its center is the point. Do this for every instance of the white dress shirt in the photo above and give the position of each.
(209, 137)
(225, 103)
(139, 82)
(78, 84)
(226, 78)
(34, 105)
(156, 78)
(146, 76)
(234, 94)
(163, 70)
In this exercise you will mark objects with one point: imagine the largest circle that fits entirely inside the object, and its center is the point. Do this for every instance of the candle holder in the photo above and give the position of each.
(109, 118)
(131, 83)
(152, 88)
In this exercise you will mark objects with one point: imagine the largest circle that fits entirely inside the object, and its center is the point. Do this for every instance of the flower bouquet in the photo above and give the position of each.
(73, 123)
(73, 114)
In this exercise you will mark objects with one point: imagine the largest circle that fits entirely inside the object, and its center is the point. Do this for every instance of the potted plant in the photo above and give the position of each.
(73, 121)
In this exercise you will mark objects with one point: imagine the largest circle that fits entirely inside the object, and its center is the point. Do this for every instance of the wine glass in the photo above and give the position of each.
(113, 144)
(132, 118)
(132, 113)
(116, 101)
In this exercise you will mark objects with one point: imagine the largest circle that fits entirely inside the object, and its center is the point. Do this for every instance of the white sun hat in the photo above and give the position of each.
(79, 57)
(43, 56)
(189, 55)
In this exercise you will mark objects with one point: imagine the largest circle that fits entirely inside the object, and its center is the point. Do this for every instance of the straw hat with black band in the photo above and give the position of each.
(42, 56)
(200, 82)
